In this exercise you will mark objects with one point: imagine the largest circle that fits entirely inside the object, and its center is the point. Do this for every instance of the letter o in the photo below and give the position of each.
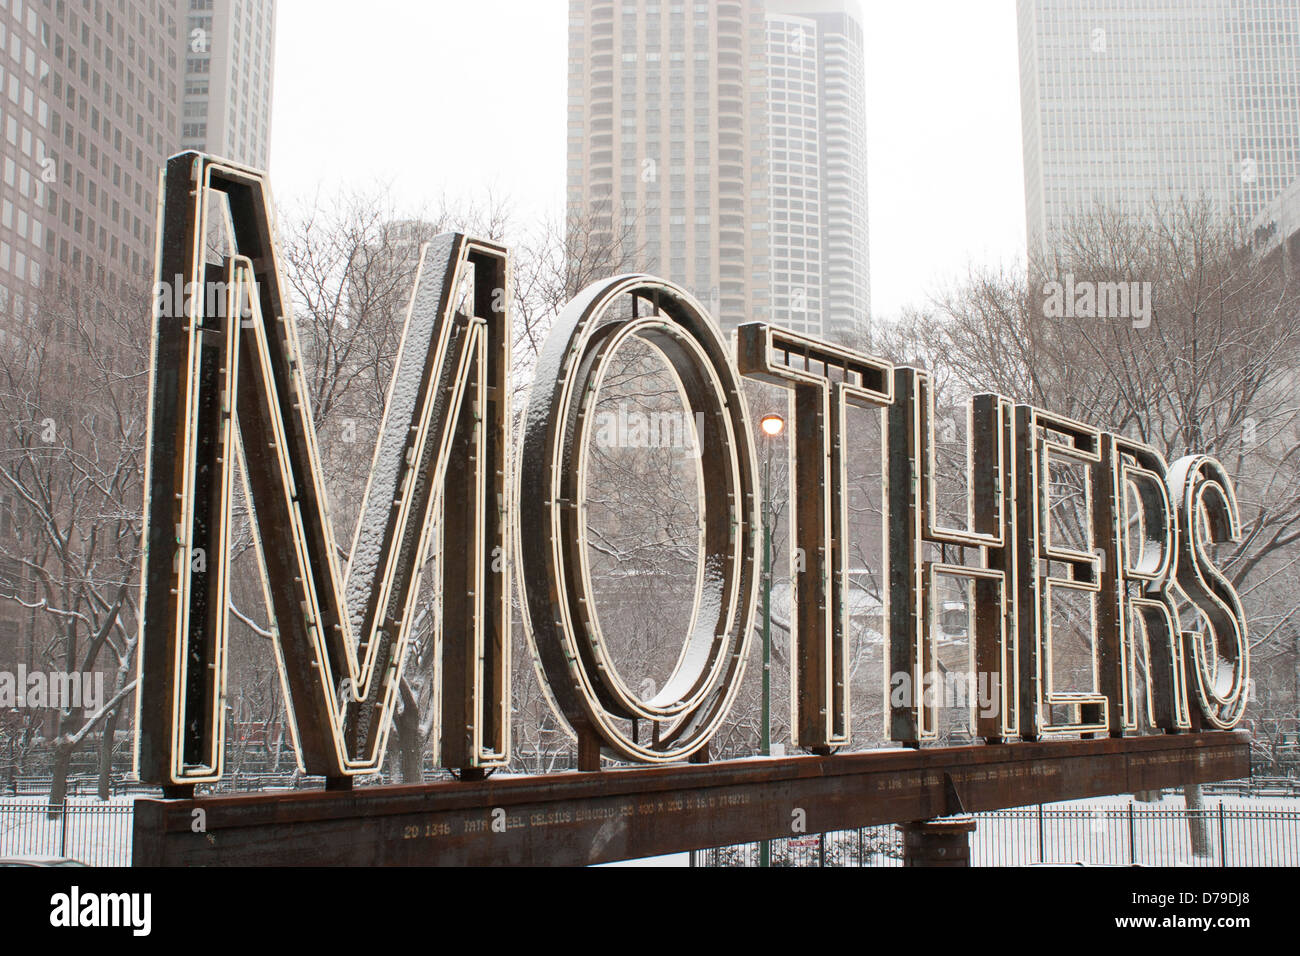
(583, 679)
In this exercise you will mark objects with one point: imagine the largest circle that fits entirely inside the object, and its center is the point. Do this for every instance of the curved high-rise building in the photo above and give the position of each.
(94, 96)
(723, 146)
(666, 150)
(817, 135)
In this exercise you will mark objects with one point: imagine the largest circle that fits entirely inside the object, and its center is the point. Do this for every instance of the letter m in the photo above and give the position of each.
(1112, 300)
(229, 388)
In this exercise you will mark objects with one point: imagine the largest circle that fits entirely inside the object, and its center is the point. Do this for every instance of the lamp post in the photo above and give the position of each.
(772, 426)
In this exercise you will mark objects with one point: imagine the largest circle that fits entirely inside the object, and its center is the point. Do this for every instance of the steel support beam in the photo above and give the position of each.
(937, 843)
(583, 818)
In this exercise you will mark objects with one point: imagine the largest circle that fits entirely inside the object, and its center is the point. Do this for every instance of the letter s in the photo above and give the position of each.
(1200, 488)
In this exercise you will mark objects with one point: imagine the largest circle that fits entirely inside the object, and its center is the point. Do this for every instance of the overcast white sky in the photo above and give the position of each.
(463, 97)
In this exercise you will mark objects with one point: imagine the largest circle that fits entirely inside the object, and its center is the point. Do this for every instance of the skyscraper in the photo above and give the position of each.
(90, 110)
(666, 147)
(725, 145)
(96, 95)
(817, 139)
(229, 63)
(1128, 101)
(1278, 227)
(90, 107)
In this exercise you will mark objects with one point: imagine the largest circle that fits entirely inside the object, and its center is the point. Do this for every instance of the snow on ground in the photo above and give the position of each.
(98, 832)
(1252, 831)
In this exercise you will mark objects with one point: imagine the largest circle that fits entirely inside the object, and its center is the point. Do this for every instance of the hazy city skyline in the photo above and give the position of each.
(333, 536)
(723, 147)
(944, 157)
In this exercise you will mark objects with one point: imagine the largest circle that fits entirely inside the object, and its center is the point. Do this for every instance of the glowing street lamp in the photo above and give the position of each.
(772, 426)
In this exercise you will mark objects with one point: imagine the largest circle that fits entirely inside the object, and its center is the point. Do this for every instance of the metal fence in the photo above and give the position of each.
(868, 846)
(98, 834)
(1131, 835)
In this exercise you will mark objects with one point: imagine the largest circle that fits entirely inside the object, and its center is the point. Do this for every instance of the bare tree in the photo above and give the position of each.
(72, 398)
(1211, 370)
(1202, 360)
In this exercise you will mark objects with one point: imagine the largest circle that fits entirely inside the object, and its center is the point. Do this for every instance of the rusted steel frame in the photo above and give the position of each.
(581, 670)
(937, 843)
(1136, 618)
(823, 382)
(1042, 437)
(914, 526)
(576, 818)
(210, 371)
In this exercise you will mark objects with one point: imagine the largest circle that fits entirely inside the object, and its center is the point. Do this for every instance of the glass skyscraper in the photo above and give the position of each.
(1126, 102)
